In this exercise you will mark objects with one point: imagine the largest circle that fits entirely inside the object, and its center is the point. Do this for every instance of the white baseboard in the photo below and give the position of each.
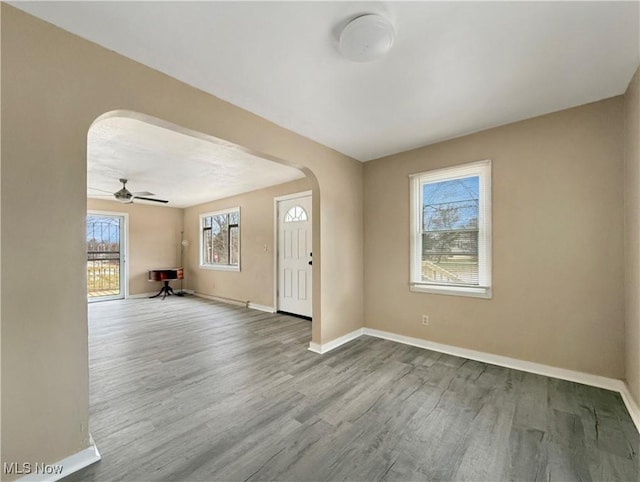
(256, 306)
(612, 384)
(503, 361)
(246, 304)
(632, 406)
(325, 347)
(69, 465)
(141, 295)
(222, 300)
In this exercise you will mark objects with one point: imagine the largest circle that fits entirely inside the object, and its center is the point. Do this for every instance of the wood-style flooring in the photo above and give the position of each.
(188, 389)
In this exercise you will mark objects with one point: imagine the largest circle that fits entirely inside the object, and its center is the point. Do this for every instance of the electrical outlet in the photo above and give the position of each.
(425, 319)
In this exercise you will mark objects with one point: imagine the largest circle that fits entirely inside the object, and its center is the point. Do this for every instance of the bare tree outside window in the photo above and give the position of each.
(221, 239)
(450, 231)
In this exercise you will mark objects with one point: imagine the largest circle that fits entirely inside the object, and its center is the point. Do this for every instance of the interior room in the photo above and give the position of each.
(197, 176)
(320, 241)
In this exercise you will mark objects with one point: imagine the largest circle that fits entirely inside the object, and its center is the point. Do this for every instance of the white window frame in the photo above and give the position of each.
(482, 169)
(219, 266)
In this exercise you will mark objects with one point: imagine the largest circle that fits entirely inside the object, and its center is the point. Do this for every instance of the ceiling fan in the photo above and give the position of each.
(126, 197)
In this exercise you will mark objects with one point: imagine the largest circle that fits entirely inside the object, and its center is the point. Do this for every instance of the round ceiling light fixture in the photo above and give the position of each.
(366, 38)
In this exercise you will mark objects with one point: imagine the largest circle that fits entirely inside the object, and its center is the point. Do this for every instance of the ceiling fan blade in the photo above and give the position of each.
(150, 199)
(143, 193)
(100, 195)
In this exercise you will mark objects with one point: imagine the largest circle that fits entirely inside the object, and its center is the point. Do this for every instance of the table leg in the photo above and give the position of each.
(164, 291)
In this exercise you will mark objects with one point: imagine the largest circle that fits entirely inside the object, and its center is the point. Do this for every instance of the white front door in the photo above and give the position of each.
(294, 255)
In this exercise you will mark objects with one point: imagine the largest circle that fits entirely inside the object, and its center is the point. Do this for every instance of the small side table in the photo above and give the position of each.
(165, 275)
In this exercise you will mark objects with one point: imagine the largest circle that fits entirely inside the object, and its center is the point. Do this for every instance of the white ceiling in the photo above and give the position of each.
(455, 68)
(182, 169)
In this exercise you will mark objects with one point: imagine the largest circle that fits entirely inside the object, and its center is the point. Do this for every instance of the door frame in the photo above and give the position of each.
(276, 230)
(124, 253)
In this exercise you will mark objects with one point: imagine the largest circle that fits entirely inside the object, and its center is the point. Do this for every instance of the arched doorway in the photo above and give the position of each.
(175, 162)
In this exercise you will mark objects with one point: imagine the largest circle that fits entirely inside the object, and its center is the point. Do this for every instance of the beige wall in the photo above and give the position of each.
(0, 261)
(254, 282)
(54, 86)
(557, 243)
(557, 198)
(632, 234)
(154, 240)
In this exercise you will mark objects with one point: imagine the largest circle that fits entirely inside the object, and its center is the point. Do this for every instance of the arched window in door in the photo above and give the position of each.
(296, 213)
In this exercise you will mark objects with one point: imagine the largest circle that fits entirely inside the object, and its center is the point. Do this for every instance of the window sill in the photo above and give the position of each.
(451, 290)
(220, 267)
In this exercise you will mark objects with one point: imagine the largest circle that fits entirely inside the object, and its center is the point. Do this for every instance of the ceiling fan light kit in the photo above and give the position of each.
(366, 38)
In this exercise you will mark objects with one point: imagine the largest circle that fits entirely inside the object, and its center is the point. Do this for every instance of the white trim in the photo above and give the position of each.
(274, 248)
(70, 465)
(632, 406)
(124, 263)
(324, 348)
(276, 228)
(295, 195)
(470, 292)
(228, 301)
(598, 381)
(503, 361)
(316, 348)
(414, 221)
(220, 267)
(259, 307)
(246, 304)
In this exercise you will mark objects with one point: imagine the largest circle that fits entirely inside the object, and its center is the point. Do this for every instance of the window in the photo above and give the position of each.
(296, 213)
(451, 230)
(220, 240)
